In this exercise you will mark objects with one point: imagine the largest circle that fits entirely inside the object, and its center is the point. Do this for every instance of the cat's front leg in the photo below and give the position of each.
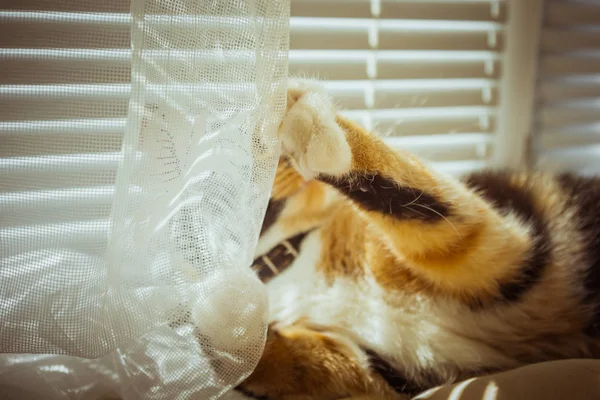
(309, 133)
(436, 226)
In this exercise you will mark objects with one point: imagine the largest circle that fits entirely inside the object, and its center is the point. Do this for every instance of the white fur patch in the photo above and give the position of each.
(410, 330)
(311, 136)
(271, 238)
(292, 292)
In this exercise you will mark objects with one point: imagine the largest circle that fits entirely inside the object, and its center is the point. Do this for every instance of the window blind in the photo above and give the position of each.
(423, 73)
(568, 87)
(64, 93)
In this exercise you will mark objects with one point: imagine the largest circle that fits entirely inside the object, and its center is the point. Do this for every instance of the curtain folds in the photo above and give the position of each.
(136, 168)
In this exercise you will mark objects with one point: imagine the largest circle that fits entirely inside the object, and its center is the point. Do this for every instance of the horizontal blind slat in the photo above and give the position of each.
(426, 9)
(568, 63)
(565, 13)
(458, 168)
(67, 6)
(396, 66)
(583, 159)
(482, 10)
(123, 55)
(75, 126)
(570, 135)
(553, 117)
(555, 40)
(122, 91)
(86, 236)
(401, 34)
(434, 127)
(51, 206)
(57, 171)
(66, 198)
(454, 147)
(51, 164)
(565, 91)
(69, 178)
(422, 113)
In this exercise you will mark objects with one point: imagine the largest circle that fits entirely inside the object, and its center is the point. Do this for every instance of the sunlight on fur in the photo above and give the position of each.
(404, 278)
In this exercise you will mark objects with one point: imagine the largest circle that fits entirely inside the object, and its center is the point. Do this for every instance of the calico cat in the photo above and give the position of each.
(395, 278)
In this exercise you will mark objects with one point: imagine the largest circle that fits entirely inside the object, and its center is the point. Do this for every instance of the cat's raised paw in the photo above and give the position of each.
(309, 133)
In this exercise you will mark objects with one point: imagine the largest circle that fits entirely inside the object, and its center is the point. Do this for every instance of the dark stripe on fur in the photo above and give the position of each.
(274, 208)
(391, 376)
(584, 195)
(506, 197)
(377, 193)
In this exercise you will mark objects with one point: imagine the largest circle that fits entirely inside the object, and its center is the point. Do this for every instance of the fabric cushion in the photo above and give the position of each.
(554, 380)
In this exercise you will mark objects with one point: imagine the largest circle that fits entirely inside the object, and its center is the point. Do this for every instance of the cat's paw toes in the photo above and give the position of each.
(309, 133)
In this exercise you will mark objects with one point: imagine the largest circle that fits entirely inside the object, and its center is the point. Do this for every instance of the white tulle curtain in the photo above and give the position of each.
(137, 149)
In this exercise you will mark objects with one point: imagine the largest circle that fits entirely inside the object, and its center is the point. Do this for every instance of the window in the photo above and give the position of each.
(64, 93)
(568, 90)
(424, 73)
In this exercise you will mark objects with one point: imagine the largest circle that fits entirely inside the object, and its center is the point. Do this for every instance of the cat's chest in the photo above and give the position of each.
(406, 326)
(356, 305)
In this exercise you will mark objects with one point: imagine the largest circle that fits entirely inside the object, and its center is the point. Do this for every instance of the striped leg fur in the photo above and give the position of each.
(439, 228)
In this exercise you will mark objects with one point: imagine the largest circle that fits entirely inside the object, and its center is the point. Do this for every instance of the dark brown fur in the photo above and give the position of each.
(499, 189)
(274, 208)
(377, 193)
(584, 195)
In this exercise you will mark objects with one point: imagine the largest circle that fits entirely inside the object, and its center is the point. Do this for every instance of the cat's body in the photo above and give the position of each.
(406, 278)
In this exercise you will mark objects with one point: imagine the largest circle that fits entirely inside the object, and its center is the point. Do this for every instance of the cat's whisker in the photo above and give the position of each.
(441, 216)
(415, 200)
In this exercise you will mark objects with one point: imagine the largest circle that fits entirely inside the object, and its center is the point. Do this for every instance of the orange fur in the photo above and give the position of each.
(450, 252)
(370, 154)
(445, 262)
(343, 240)
(300, 363)
(308, 208)
(287, 182)
(393, 275)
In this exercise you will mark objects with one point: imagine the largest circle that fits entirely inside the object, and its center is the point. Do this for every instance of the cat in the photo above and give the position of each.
(394, 278)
